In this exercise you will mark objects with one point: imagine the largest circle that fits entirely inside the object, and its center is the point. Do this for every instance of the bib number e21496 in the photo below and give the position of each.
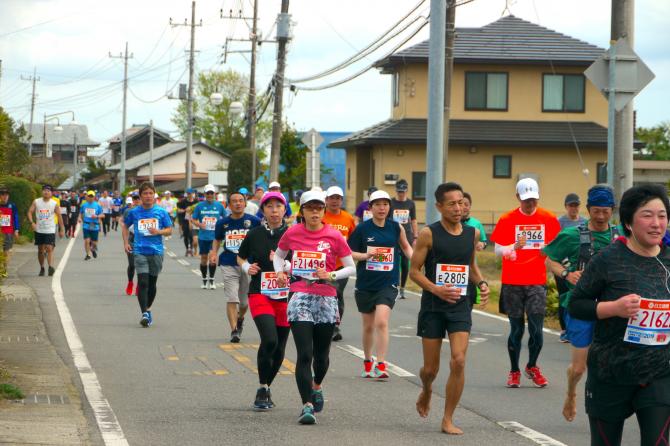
(305, 263)
(456, 275)
(271, 288)
(534, 235)
(651, 324)
(381, 260)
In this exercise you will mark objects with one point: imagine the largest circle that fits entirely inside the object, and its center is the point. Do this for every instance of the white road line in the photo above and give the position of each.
(171, 254)
(109, 426)
(183, 262)
(196, 272)
(529, 433)
(390, 367)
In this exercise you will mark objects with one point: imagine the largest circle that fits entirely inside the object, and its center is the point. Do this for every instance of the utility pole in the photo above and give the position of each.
(189, 98)
(151, 151)
(449, 72)
(623, 19)
(34, 79)
(436, 105)
(122, 174)
(283, 36)
(75, 151)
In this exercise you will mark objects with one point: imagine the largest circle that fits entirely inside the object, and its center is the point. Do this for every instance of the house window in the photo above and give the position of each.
(601, 173)
(418, 185)
(396, 89)
(563, 93)
(502, 166)
(485, 91)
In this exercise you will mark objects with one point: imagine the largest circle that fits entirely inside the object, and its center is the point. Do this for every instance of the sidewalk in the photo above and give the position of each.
(51, 412)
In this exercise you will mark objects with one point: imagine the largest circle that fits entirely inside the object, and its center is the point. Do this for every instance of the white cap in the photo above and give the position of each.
(379, 195)
(219, 197)
(527, 188)
(317, 189)
(167, 192)
(334, 190)
(312, 195)
(129, 200)
(209, 188)
(274, 184)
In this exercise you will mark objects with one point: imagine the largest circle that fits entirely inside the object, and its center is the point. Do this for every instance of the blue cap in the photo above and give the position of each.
(190, 190)
(600, 195)
(243, 190)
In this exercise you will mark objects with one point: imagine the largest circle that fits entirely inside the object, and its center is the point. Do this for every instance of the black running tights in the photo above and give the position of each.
(404, 270)
(105, 223)
(186, 231)
(312, 341)
(271, 350)
(131, 266)
(146, 290)
(653, 422)
(535, 341)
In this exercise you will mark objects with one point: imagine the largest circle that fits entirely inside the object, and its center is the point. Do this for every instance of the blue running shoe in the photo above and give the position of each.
(271, 403)
(151, 317)
(317, 400)
(261, 401)
(564, 337)
(144, 322)
(307, 415)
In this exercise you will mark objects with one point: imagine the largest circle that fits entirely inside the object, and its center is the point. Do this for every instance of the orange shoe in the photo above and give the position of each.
(534, 374)
(514, 380)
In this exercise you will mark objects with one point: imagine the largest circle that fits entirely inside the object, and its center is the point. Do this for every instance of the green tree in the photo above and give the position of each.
(239, 170)
(13, 154)
(93, 169)
(292, 159)
(656, 140)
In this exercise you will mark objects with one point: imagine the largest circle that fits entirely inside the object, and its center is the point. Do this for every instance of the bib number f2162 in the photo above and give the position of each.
(305, 263)
(381, 260)
(534, 235)
(271, 288)
(456, 275)
(651, 324)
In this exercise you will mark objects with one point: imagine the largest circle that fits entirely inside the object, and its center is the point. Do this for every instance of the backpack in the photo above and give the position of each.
(586, 248)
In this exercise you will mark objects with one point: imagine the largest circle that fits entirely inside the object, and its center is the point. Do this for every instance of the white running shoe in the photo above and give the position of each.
(212, 285)
(204, 285)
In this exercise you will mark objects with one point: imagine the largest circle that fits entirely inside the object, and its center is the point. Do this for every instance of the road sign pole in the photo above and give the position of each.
(611, 115)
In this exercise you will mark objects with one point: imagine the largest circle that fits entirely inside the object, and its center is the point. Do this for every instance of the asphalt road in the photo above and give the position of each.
(181, 382)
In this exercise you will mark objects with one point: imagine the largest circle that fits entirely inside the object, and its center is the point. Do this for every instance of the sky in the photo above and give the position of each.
(69, 43)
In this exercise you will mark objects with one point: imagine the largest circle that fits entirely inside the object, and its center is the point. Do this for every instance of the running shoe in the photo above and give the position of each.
(337, 334)
(88, 257)
(129, 288)
(144, 322)
(380, 371)
(317, 400)
(51, 271)
(534, 374)
(41, 271)
(261, 401)
(151, 317)
(239, 326)
(271, 403)
(564, 337)
(367, 368)
(402, 293)
(95, 253)
(234, 337)
(307, 415)
(514, 380)
(204, 284)
(212, 285)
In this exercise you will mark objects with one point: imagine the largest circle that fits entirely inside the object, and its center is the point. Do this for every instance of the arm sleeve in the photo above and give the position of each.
(278, 260)
(349, 268)
(583, 300)
(501, 250)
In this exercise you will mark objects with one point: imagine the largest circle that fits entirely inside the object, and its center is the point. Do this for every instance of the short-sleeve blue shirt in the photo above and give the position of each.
(90, 213)
(142, 219)
(209, 214)
(232, 231)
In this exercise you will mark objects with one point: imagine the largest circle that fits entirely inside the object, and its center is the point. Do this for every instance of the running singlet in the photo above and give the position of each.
(381, 270)
(256, 248)
(142, 220)
(540, 229)
(106, 203)
(208, 214)
(45, 212)
(90, 216)
(311, 249)
(232, 232)
(116, 204)
(73, 206)
(9, 218)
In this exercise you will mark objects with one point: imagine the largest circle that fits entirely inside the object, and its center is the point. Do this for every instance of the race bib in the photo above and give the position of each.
(73, 209)
(271, 288)
(651, 324)
(209, 222)
(234, 241)
(144, 224)
(401, 216)
(534, 235)
(367, 215)
(90, 213)
(382, 259)
(456, 275)
(5, 220)
(305, 263)
(43, 214)
(116, 209)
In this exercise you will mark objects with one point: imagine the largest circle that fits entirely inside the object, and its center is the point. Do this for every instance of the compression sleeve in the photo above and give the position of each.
(278, 260)
(349, 268)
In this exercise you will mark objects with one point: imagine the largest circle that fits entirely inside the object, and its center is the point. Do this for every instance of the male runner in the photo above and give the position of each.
(73, 213)
(45, 210)
(150, 223)
(63, 199)
(9, 222)
(577, 245)
(117, 203)
(344, 222)
(467, 219)
(204, 217)
(186, 202)
(106, 202)
(447, 250)
(91, 217)
(520, 235)
(403, 211)
(232, 230)
(362, 212)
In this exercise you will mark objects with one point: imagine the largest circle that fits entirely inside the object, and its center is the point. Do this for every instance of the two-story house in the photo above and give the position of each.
(520, 106)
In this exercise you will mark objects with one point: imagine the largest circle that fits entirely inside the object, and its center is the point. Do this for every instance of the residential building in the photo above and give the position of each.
(520, 107)
(137, 141)
(57, 143)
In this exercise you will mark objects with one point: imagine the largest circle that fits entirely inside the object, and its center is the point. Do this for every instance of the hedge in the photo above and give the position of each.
(22, 193)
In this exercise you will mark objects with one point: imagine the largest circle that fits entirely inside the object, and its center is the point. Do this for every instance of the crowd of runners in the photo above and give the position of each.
(287, 264)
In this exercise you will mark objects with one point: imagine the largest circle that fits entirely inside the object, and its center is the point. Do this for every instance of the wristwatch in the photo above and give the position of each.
(333, 276)
(482, 282)
(564, 273)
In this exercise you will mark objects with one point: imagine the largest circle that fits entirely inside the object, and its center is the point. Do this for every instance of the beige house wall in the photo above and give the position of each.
(524, 94)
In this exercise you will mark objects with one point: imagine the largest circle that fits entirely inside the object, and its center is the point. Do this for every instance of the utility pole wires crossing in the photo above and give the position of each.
(33, 79)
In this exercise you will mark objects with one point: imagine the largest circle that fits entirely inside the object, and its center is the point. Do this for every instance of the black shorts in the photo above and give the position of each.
(517, 300)
(616, 402)
(436, 324)
(366, 301)
(45, 239)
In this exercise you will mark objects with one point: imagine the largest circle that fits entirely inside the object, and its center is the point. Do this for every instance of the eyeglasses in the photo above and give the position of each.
(314, 207)
(209, 192)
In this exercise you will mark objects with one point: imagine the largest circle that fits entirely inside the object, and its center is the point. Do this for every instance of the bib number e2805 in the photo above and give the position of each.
(534, 235)
(381, 260)
(271, 288)
(456, 275)
(651, 324)
(305, 263)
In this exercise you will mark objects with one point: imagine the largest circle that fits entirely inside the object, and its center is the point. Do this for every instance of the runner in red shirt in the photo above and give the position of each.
(520, 236)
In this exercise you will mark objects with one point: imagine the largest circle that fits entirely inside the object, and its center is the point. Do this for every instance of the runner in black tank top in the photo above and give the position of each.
(447, 250)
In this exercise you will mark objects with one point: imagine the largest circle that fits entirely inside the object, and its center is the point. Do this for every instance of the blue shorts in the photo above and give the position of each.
(204, 246)
(93, 235)
(578, 332)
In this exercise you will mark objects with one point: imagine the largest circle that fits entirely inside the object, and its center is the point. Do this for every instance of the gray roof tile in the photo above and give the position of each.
(160, 152)
(63, 138)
